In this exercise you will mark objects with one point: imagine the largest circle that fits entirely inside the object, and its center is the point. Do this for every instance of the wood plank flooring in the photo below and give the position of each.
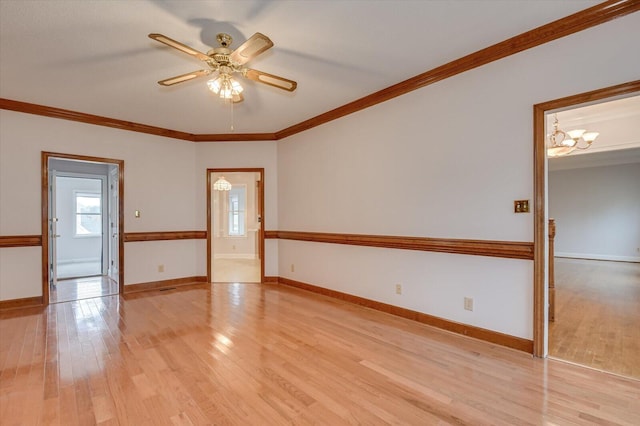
(82, 288)
(236, 270)
(266, 354)
(597, 315)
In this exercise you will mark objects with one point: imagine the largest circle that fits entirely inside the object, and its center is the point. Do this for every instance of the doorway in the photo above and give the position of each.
(81, 227)
(235, 225)
(541, 261)
(596, 255)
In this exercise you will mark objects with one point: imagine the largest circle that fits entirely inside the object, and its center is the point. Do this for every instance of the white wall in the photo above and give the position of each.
(164, 178)
(159, 181)
(444, 161)
(597, 212)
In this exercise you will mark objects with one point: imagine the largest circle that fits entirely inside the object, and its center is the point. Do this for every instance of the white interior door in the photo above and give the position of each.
(53, 230)
(114, 260)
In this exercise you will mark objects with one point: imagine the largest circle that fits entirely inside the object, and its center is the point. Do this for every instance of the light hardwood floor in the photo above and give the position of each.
(266, 354)
(236, 270)
(82, 288)
(597, 315)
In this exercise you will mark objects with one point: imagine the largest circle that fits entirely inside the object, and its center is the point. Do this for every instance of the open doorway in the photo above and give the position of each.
(235, 235)
(594, 199)
(82, 217)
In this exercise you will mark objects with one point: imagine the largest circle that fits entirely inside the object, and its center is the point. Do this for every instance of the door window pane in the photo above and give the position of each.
(88, 215)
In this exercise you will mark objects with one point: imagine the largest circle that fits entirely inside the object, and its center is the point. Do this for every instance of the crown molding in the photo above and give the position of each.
(234, 137)
(97, 120)
(591, 17)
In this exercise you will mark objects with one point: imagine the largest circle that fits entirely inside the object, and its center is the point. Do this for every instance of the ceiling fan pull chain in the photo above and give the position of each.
(231, 102)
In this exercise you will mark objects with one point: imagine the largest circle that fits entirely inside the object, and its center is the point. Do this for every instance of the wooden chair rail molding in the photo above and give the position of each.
(130, 237)
(496, 337)
(36, 240)
(20, 241)
(505, 249)
(568, 25)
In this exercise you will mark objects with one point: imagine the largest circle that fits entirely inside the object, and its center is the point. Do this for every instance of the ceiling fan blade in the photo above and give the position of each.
(271, 80)
(251, 48)
(184, 77)
(181, 47)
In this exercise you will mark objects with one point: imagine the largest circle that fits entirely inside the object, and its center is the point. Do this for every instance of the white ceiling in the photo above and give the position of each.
(95, 57)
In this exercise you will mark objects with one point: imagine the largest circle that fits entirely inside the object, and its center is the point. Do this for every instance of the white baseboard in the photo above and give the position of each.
(234, 256)
(590, 256)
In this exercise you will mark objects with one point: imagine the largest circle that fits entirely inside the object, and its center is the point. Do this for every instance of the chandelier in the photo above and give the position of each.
(222, 184)
(562, 143)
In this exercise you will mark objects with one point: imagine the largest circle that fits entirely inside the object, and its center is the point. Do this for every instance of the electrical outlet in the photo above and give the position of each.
(293, 267)
(398, 288)
(234, 247)
(468, 303)
(160, 268)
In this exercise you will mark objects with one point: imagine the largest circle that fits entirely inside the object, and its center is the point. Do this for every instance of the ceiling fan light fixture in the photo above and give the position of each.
(225, 87)
(226, 62)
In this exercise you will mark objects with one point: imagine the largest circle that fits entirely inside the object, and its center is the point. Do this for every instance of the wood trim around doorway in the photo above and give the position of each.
(261, 211)
(539, 207)
(44, 196)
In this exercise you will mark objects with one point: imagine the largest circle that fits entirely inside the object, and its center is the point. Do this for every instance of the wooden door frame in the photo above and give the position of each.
(540, 261)
(260, 207)
(45, 156)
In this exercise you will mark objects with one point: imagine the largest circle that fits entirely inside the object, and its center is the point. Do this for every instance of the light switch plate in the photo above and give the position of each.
(521, 206)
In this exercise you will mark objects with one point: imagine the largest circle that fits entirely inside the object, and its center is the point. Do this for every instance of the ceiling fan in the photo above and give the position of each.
(226, 62)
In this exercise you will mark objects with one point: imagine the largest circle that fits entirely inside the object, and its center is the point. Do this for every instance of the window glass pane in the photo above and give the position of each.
(88, 215)
(88, 224)
(87, 204)
(237, 197)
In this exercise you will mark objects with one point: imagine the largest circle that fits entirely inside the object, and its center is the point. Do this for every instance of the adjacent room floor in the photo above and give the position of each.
(236, 270)
(597, 315)
(78, 269)
(82, 288)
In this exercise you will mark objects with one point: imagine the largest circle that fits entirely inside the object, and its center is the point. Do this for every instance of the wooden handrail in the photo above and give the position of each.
(552, 283)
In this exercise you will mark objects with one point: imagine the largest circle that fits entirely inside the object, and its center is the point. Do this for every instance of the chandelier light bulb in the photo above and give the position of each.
(575, 134)
(590, 136)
